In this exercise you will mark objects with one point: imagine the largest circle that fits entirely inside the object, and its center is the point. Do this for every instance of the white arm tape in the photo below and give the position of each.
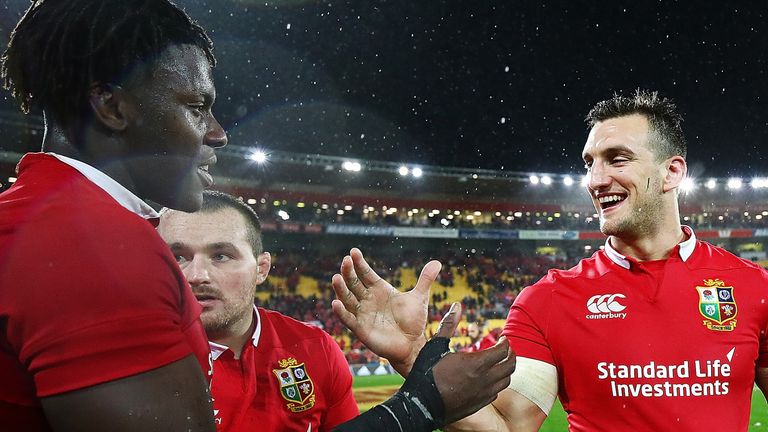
(537, 381)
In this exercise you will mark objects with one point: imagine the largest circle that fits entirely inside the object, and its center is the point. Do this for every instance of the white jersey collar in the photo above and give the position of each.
(685, 249)
(218, 349)
(123, 196)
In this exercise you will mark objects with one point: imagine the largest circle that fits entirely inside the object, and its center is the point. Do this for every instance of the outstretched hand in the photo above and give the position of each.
(389, 322)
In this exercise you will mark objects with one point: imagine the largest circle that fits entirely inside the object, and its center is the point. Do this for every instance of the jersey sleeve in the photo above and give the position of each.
(341, 401)
(98, 298)
(527, 323)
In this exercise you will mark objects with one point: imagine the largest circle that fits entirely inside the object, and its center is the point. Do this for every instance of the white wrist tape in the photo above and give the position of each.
(537, 381)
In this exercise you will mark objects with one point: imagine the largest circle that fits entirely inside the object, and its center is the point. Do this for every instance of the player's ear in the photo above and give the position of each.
(264, 262)
(108, 106)
(677, 169)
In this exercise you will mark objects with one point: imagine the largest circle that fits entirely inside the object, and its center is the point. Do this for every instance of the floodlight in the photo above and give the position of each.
(534, 179)
(547, 180)
(259, 156)
(687, 185)
(417, 172)
(734, 183)
(711, 183)
(568, 180)
(403, 170)
(352, 166)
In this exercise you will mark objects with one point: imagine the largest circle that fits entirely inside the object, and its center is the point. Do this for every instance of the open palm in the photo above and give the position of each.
(389, 322)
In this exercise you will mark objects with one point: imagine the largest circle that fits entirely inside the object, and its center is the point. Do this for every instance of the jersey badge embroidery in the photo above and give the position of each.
(296, 386)
(717, 305)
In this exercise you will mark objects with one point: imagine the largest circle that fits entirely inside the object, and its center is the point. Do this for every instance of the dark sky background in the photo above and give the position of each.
(480, 84)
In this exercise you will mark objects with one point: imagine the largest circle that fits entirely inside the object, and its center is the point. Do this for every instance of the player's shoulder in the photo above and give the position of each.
(74, 203)
(291, 328)
(714, 257)
(587, 268)
(564, 280)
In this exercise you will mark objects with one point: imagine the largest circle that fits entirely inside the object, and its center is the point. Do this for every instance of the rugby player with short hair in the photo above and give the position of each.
(271, 372)
(658, 331)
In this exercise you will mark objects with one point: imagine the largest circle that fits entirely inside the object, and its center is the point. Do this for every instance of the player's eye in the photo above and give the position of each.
(221, 257)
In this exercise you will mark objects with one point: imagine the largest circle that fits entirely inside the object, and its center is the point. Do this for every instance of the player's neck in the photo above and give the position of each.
(650, 247)
(91, 148)
(236, 335)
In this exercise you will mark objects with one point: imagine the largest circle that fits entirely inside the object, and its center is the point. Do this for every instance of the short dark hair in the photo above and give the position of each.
(214, 201)
(60, 48)
(663, 119)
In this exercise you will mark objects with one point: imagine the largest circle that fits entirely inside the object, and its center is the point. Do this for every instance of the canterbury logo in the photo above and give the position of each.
(605, 303)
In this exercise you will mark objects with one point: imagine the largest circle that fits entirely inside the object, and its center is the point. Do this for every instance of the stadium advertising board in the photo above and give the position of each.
(488, 234)
(359, 230)
(426, 232)
(548, 235)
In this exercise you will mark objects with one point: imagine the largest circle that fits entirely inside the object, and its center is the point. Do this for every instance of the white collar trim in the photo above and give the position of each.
(686, 249)
(218, 349)
(118, 192)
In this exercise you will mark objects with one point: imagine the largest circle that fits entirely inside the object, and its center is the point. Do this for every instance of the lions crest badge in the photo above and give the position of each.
(296, 386)
(717, 305)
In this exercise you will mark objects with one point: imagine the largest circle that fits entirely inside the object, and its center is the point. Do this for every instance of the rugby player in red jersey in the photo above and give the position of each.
(271, 372)
(98, 329)
(657, 331)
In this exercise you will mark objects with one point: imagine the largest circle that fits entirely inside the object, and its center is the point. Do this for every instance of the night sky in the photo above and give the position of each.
(480, 84)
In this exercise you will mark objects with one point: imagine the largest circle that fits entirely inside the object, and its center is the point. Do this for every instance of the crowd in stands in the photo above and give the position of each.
(486, 286)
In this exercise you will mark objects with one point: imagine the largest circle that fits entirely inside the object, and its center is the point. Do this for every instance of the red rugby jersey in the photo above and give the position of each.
(292, 377)
(661, 345)
(89, 292)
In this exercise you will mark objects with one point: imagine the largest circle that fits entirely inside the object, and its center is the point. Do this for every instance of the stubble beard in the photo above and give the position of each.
(220, 323)
(643, 220)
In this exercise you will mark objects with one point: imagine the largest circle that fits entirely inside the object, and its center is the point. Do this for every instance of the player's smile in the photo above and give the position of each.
(609, 202)
(202, 170)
